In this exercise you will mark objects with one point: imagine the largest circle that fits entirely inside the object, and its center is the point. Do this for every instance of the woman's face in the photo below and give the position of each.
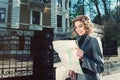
(80, 28)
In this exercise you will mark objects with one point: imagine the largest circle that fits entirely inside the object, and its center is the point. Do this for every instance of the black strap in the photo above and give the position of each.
(87, 71)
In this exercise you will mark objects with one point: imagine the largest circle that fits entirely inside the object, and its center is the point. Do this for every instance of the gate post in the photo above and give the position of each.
(42, 53)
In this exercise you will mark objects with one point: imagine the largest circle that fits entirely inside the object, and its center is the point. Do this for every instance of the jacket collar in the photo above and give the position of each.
(84, 42)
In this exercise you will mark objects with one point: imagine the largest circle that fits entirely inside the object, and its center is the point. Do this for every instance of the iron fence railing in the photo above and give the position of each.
(15, 59)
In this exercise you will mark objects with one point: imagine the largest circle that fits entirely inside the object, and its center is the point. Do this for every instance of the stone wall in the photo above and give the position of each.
(112, 64)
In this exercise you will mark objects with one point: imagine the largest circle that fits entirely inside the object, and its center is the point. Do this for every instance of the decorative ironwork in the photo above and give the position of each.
(15, 57)
(42, 51)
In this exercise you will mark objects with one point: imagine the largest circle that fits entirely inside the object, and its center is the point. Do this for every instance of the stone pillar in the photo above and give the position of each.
(15, 14)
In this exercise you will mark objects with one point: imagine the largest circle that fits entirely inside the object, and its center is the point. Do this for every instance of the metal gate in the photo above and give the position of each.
(26, 55)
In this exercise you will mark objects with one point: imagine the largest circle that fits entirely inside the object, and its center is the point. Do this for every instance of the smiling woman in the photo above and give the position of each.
(89, 51)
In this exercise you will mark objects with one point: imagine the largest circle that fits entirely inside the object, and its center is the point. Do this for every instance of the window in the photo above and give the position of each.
(59, 21)
(59, 3)
(65, 4)
(66, 20)
(2, 15)
(36, 18)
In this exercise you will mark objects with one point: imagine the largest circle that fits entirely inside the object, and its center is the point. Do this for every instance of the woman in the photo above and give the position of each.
(89, 52)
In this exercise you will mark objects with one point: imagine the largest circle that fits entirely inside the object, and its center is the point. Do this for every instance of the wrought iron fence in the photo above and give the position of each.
(15, 59)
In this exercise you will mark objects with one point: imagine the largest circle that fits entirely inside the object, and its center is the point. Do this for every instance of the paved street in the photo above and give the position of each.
(114, 76)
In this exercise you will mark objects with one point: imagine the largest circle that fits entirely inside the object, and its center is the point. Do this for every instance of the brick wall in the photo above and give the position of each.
(47, 18)
(24, 16)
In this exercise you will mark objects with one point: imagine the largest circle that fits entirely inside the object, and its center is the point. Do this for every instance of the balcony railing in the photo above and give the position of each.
(40, 1)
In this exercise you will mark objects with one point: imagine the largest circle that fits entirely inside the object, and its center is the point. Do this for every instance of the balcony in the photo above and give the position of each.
(39, 3)
(44, 1)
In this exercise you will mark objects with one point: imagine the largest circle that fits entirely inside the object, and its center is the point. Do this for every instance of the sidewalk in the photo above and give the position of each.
(114, 76)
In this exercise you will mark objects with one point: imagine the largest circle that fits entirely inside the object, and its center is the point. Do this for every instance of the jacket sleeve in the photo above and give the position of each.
(96, 63)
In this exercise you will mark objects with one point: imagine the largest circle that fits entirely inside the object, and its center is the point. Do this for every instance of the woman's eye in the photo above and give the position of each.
(79, 26)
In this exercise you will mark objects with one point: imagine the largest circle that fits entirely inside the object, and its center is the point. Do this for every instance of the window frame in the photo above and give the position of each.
(39, 18)
(58, 16)
(4, 13)
(59, 3)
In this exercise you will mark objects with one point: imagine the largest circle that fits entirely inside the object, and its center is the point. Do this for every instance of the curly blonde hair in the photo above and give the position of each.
(86, 21)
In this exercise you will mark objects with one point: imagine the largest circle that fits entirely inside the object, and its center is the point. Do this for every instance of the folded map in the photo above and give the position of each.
(66, 50)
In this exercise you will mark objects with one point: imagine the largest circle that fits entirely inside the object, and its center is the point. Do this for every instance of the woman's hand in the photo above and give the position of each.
(72, 75)
(80, 53)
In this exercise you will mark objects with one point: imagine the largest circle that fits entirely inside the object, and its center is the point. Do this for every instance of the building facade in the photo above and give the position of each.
(24, 14)
(35, 14)
(60, 16)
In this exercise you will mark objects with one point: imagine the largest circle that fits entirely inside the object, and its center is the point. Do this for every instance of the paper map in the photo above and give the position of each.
(66, 50)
